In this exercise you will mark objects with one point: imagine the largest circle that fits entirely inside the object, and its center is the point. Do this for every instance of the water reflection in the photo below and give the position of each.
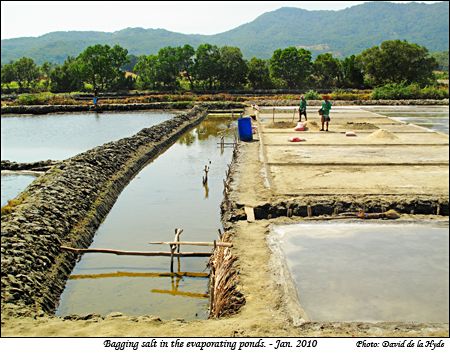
(166, 194)
(215, 127)
(13, 184)
(432, 117)
(369, 271)
(60, 136)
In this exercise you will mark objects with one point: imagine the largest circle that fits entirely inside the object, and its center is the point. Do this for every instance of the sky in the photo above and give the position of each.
(35, 18)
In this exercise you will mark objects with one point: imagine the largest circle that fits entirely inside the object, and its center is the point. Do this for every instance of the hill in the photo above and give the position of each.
(343, 33)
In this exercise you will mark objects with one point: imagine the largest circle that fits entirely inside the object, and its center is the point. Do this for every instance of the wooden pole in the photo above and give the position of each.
(172, 250)
(181, 293)
(273, 114)
(174, 247)
(177, 238)
(135, 253)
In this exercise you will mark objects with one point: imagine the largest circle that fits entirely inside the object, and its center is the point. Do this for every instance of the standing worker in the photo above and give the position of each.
(325, 111)
(302, 109)
(95, 99)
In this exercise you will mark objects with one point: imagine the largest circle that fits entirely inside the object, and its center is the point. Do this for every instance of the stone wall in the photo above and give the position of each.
(44, 165)
(65, 206)
(44, 109)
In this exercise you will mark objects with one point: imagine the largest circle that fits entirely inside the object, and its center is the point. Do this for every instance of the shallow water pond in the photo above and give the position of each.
(13, 184)
(60, 136)
(432, 117)
(167, 194)
(368, 271)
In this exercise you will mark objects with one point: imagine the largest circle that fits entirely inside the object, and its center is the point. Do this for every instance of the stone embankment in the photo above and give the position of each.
(65, 206)
(44, 109)
(38, 166)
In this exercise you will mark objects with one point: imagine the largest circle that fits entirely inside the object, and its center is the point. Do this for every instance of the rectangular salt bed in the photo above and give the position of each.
(368, 271)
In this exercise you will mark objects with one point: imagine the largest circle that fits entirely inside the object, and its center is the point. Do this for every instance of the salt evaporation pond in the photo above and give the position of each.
(432, 117)
(368, 271)
(13, 184)
(166, 194)
(60, 136)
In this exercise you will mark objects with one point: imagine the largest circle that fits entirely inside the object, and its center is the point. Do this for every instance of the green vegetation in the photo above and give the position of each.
(99, 65)
(395, 68)
(291, 66)
(442, 60)
(397, 61)
(13, 203)
(44, 98)
(441, 75)
(405, 91)
(312, 95)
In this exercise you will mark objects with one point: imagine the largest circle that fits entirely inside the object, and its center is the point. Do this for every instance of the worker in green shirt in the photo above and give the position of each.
(302, 110)
(325, 112)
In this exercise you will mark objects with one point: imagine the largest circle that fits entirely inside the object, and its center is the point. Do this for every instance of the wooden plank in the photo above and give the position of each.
(250, 213)
(219, 244)
(138, 275)
(181, 293)
(135, 253)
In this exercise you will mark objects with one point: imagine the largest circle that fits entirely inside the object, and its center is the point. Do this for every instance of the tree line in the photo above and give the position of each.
(212, 68)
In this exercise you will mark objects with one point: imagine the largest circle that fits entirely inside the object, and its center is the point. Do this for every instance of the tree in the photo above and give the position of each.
(25, 72)
(206, 68)
(291, 65)
(258, 74)
(66, 77)
(100, 65)
(186, 61)
(146, 68)
(164, 70)
(233, 68)
(45, 70)
(351, 73)
(168, 67)
(397, 61)
(131, 62)
(8, 73)
(326, 70)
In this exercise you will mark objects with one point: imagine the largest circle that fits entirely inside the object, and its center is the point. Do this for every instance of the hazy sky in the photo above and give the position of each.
(35, 18)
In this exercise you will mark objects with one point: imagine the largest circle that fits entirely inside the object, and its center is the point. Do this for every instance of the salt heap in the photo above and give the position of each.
(382, 134)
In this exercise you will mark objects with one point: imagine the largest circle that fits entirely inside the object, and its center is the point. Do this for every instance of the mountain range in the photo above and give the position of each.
(342, 33)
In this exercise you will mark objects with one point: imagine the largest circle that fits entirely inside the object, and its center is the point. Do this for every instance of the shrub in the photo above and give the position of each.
(403, 91)
(34, 99)
(44, 98)
(312, 95)
(434, 92)
(341, 94)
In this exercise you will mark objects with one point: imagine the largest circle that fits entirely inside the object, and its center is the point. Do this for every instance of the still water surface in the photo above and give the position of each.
(60, 136)
(13, 184)
(369, 271)
(165, 195)
(432, 117)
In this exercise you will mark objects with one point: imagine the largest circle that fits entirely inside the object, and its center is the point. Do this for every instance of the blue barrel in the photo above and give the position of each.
(245, 129)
